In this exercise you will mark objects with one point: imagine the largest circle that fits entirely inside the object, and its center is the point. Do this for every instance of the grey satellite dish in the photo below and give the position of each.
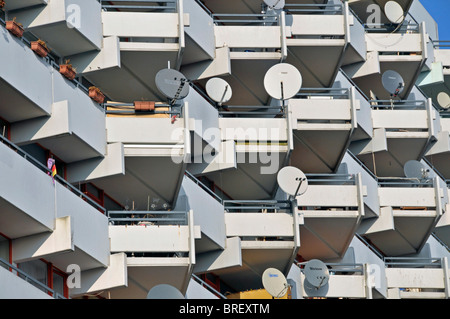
(443, 100)
(292, 181)
(393, 82)
(164, 292)
(416, 170)
(394, 12)
(219, 90)
(283, 81)
(316, 273)
(172, 84)
(275, 4)
(275, 283)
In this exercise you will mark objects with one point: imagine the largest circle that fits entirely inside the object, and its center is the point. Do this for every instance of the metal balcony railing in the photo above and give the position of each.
(412, 262)
(140, 5)
(339, 268)
(264, 19)
(259, 111)
(437, 44)
(43, 168)
(398, 104)
(404, 28)
(129, 109)
(333, 93)
(331, 179)
(147, 218)
(405, 182)
(328, 8)
(21, 274)
(266, 206)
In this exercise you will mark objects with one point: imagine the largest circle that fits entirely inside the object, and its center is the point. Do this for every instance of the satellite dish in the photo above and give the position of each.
(316, 273)
(172, 84)
(394, 12)
(275, 283)
(283, 81)
(443, 100)
(292, 181)
(393, 82)
(415, 169)
(164, 292)
(219, 90)
(275, 4)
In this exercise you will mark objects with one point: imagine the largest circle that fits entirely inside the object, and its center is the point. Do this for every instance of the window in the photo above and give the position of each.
(5, 129)
(5, 250)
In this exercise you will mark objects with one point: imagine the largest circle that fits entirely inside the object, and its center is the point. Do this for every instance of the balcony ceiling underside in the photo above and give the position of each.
(408, 69)
(154, 180)
(360, 7)
(251, 181)
(135, 79)
(408, 237)
(254, 262)
(146, 273)
(327, 236)
(318, 151)
(390, 163)
(318, 63)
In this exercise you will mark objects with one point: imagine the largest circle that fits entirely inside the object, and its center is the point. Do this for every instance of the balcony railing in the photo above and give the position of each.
(147, 218)
(43, 168)
(412, 262)
(400, 105)
(441, 44)
(266, 19)
(21, 274)
(140, 5)
(331, 179)
(260, 111)
(339, 268)
(314, 8)
(404, 28)
(266, 206)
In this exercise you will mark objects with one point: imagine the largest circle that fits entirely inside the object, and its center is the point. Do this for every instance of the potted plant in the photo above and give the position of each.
(68, 70)
(144, 106)
(15, 27)
(96, 94)
(40, 48)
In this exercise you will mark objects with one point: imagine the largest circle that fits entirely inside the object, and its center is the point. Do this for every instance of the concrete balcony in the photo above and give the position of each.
(272, 241)
(30, 95)
(402, 131)
(329, 201)
(147, 160)
(317, 40)
(404, 51)
(132, 37)
(417, 278)
(58, 21)
(20, 4)
(75, 120)
(48, 219)
(404, 206)
(246, 47)
(253, 150)
(160, 247)
(323, 123)
(345, 281)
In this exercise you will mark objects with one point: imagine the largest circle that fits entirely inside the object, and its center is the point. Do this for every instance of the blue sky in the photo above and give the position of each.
(440, 11)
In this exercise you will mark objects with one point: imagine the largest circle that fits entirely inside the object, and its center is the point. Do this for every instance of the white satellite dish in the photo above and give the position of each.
(275, 283)
(393, 82)
(164, 291)
(275, 4)
(443, 100)
(283, 81)
(219, 90)
(292, 181)
(172, 84)
(316, 273)
(394, 12)
(415, 169)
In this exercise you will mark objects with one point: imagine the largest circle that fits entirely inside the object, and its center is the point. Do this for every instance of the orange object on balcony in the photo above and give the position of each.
(144, 106)
(68, 71)
(96, 95)
(40, 48)
(15, 28)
